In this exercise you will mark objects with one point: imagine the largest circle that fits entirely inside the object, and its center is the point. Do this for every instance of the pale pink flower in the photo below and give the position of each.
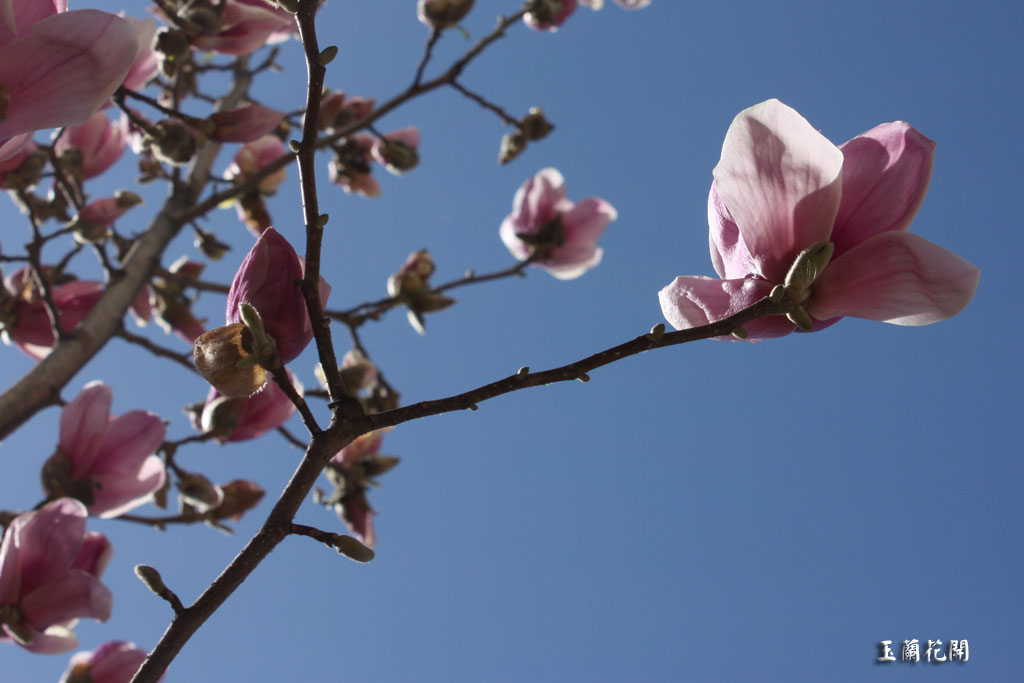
(548, 15)
(49, 577)
(782, 187)
(241, 419)
(397, 151)
(244, 124)
(351, 169)
(56, 67)
(338, 111)
(14, 162)
(350, 470)
(25, 322)
(269, 279)
(246, 26)
(147, 61)
(99, 140)
(115, 661)
(93, 222)
(440, 14)
(254, 156)
(106, 462)
(562, 234)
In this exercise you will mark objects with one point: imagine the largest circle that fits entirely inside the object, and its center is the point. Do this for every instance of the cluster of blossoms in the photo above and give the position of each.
(819, 229)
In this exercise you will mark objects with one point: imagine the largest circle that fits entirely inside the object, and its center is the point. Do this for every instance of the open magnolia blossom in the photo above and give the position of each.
(104, 461)
(23, 317)
(547, 226)
(780, 189)
(57, 67)
(92, 147)
(49, 577)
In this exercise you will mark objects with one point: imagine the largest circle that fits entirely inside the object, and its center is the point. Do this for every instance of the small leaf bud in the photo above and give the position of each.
(151, 579)
(327, 55)
(656, 333)
(808, 266)
(353, 549)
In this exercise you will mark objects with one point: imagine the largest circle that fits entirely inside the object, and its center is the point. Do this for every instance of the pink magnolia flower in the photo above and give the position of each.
(10, 165)
(548, 15)
(337, 111)
(93, 222)
(246, 26)
(115, 661)
(269, 279)
(440, 14)
(350, 470)
(254, 156)
(25, 322)
(781, 187)
(99, 141)
(397, 151)
(244, 124)
(147, 61)
(241, 419)
(560, 234)
(49, 577)
(56, 67)
(351, 169)
(104, 461)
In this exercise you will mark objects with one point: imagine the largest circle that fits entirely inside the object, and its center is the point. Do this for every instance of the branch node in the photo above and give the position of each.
(523, 372)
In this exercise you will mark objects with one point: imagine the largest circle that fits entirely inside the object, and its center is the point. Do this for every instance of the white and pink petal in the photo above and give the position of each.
(895, 277)
(781, 181)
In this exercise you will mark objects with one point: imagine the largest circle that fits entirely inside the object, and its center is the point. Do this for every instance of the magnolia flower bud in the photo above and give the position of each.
(397, 150)
(199, 492)
(239, 497)
(244, 124)
(440, 14)
(512, 145)
(171, 43)
(176, 143)
(224, 357)
(548, 15)
(534, 125)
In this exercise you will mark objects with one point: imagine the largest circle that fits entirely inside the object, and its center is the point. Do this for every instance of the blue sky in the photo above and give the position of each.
(716, 511)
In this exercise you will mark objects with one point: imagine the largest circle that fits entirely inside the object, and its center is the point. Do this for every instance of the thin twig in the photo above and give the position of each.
(486, 104)
(183, 359)
(573, 371)
(428, 50)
